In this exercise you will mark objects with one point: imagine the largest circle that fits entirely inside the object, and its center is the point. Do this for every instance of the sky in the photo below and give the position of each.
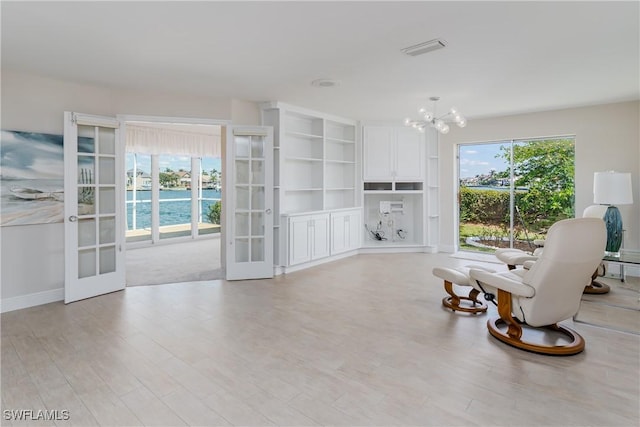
(174, 163)
(27, 155)
(480, 159)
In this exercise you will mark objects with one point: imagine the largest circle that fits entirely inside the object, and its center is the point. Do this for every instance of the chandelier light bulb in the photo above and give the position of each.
(430, 119)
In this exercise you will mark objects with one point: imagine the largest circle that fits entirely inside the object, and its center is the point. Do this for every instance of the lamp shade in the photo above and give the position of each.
(612, 188)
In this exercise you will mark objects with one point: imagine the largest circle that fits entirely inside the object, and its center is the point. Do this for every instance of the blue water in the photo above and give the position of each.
(171, 213)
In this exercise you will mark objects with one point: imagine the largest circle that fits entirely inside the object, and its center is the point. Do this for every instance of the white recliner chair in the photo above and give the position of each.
(550, 291)
(515, 257)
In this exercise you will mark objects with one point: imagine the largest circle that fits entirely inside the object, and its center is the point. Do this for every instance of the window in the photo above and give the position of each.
(510, 192)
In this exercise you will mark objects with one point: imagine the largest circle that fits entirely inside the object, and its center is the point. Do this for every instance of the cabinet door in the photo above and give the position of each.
(409, 155)
(353, 230)
(299, 245)
(339, 233)
(378, 153)
(320, 236)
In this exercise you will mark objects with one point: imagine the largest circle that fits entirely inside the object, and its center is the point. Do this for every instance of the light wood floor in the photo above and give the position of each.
(361, 341)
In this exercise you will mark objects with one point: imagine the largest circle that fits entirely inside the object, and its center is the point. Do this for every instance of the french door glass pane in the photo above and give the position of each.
(86, 200)
(257, 172)
(86, 232)
(242, 197)
(257, 197)
(257, 249)
(242, 172)
(242, 250)
(242, 224)
(257, 147)
(86, 139)
(107, 260)
(107, 167)
(107, 200)
(107, 230)
(107, 141)
(86, 263)
(242, 146)
(257, 224)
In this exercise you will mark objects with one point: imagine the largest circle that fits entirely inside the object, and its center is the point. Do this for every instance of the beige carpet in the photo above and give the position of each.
(193, 260)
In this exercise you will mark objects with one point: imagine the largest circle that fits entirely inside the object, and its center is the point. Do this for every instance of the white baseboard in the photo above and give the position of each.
(393, 249)
(448, 248)
(298, 267)
(31, 300)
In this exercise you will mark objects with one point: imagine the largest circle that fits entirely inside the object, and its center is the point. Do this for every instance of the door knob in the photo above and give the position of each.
(268, 211)
(73, 218)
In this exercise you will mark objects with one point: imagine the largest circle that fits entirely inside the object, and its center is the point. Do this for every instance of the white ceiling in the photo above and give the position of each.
(502, 57)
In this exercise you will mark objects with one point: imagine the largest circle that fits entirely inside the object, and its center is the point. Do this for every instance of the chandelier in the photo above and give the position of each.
(430, 119)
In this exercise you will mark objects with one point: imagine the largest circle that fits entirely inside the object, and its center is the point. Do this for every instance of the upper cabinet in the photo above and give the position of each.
(393, 154)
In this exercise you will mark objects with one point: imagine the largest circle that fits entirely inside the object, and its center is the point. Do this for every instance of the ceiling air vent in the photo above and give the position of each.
(425, 47)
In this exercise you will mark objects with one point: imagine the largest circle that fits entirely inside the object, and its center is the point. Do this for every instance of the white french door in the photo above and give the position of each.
(247, 223)
(93, 185)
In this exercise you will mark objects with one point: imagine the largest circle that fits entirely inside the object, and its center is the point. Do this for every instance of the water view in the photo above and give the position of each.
(175, 207)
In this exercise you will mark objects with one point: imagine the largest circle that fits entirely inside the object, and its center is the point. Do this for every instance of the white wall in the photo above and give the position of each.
(32, 257)
(607, 138)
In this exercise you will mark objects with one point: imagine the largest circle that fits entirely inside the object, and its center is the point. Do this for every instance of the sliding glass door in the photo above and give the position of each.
(510, 192)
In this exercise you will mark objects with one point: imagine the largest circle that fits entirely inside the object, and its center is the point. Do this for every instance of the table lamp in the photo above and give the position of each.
(612, 188)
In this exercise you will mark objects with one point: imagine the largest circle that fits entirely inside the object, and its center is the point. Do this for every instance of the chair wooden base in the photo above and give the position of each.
(513, 333)
(453, 300)
(596, 287)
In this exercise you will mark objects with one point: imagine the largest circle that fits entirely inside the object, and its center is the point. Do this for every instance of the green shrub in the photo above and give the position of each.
(214, 212)
(538, 209)
(484, 206)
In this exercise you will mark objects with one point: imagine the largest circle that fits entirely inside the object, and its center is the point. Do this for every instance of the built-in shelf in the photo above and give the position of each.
(318, 156)
(340, 141)
(346, 162)
(393, 187)
(304, 159)
(304, 135)
(408, 186)
(378, 186)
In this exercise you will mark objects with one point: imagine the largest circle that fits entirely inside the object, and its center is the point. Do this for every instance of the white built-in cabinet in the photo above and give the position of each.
(316, 174)
(308, 237)
(345, 230)
(400, 189)
(393, 153)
